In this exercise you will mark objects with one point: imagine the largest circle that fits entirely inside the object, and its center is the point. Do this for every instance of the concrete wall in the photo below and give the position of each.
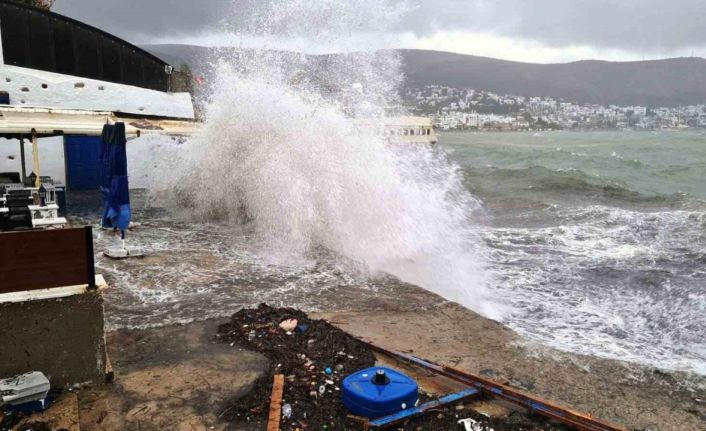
(63, 338)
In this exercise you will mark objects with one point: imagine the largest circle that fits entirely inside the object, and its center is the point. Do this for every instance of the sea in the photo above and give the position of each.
(591, 242)
(598, 239)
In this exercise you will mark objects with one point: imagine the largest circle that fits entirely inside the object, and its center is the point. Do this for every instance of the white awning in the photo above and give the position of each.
(51, 122)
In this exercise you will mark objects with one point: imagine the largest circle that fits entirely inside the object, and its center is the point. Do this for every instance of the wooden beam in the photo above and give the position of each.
(276, 403)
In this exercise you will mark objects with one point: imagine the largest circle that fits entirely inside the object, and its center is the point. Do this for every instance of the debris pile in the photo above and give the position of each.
(314, 357)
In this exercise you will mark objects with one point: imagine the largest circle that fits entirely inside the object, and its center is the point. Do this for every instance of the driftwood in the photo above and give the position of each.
(276, 403)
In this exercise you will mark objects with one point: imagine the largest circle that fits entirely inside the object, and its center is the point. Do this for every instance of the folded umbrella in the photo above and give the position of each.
(114, 179)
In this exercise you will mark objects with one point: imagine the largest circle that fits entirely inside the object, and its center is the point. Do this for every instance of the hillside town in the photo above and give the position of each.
(470, 109)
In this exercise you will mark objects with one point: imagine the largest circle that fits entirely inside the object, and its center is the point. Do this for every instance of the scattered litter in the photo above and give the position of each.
(26, 388)
(288, 325)
(304, 356)
(471, 425)
(286, 411)
(315, 396)
(328, 371)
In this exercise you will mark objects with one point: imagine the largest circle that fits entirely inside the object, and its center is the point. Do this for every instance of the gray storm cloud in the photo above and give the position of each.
(620, 24)
(624, 24)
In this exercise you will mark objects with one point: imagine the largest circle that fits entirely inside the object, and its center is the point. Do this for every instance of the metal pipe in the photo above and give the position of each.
(22, 158)
(578, 420)
(403, 415)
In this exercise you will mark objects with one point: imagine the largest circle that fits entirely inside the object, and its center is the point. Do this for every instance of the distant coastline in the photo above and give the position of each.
(466, 108)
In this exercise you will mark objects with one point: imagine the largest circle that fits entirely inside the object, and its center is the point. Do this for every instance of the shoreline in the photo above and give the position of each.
(635, 396)
(628, 394)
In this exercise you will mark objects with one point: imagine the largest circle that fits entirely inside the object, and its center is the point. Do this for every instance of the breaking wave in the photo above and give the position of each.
(306, 168)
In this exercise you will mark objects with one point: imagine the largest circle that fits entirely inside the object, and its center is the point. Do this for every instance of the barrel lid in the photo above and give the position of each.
(366, 388)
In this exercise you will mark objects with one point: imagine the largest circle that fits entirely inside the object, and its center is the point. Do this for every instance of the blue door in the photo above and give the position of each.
(82, 162)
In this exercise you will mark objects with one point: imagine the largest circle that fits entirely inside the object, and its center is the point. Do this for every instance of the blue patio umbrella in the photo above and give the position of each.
(114, 182)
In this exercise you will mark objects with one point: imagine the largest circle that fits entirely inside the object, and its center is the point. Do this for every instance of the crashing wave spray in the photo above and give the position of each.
(281, 154)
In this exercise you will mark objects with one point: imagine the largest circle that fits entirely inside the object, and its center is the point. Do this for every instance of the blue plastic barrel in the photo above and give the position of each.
(378, 391)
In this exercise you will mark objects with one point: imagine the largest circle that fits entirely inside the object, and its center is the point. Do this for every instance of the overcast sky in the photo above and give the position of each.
(523, 30)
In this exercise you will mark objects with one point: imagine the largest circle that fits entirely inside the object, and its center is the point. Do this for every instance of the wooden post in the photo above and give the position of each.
(35, 155)
(276, 403)
(90, 265)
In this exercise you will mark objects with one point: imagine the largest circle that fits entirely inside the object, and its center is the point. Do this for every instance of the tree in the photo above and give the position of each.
(42, 4)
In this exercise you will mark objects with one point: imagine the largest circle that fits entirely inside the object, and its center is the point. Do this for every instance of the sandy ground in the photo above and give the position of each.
(179, 378)
(171, 378)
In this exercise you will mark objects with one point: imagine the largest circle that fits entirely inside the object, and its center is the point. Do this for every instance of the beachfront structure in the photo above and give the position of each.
(62, 78)
(52, 61)
(419, 130)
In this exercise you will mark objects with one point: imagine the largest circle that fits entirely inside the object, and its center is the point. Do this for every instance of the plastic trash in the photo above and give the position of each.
(378, 391)
(25, 388)
(288, 325)
(328, 371)
(471, 425)
(286, 411)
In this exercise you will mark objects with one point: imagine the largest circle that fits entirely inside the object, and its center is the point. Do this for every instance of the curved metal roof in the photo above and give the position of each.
(43, 40)
(85, 26)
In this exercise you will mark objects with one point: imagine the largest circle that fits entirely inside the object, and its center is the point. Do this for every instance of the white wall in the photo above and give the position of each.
(40, 89)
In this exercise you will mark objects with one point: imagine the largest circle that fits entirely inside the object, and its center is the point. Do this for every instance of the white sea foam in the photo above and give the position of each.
(609, 285)
(279, 153)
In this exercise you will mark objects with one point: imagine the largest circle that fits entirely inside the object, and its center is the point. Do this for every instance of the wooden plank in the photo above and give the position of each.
(41, 259)
(276, 403)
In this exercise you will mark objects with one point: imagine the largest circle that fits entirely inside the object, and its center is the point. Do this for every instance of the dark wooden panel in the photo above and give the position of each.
(42, 259)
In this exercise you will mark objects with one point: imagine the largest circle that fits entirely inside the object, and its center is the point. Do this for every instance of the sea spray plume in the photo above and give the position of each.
(283, 156)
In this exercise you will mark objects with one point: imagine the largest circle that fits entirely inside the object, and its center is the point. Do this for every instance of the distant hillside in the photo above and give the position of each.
(670, 82)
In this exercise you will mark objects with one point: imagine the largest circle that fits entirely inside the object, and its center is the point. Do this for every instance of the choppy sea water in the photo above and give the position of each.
(596, 244)
(598, 240)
